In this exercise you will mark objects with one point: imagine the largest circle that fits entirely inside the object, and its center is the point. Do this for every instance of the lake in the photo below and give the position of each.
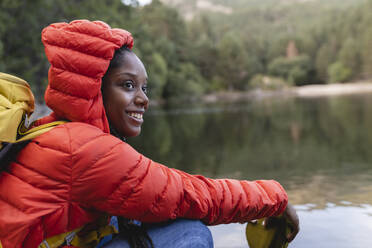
(319, 149)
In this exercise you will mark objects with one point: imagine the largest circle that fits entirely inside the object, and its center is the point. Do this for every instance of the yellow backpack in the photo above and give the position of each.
(17, 103)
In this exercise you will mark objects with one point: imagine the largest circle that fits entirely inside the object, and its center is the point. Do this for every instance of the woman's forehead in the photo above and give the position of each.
(131, 65)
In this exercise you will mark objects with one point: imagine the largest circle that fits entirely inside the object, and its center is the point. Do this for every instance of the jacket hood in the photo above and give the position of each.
(79, 53)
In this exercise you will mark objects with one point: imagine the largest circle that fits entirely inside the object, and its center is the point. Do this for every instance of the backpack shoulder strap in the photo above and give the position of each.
(36, 131)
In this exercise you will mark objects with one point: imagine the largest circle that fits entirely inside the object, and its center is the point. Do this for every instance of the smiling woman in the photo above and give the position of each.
(124, 91)
(64, 185)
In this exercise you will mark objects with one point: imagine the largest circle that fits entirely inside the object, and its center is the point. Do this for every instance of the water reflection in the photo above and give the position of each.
(336, 226)
(319, 149)
(331, 227)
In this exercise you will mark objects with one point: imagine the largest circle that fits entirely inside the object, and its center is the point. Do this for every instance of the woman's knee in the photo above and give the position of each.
(199, 235)
(182, 233)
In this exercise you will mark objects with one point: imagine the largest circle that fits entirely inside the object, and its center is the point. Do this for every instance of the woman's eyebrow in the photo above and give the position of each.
(133, 75)
(128, 73)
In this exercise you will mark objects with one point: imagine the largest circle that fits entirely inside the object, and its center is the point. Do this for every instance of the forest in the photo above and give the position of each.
(257, 44)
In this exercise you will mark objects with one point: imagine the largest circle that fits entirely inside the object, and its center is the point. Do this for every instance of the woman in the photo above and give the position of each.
(83, 171)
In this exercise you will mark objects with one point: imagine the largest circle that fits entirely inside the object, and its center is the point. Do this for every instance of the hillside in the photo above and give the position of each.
(192, 8)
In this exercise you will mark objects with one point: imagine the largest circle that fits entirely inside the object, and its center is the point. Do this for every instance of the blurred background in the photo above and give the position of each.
(223, 77)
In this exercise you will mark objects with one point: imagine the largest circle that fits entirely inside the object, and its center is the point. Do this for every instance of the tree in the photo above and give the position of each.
(367, 51)
(338, 72)
(349, 56)
(325, 56)
(296, 70)
(22, 23)
(235, 65)
(185, 83)
(158, 73)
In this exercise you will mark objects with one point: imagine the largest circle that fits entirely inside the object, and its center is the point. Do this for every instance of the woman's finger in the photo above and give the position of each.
(292, 217)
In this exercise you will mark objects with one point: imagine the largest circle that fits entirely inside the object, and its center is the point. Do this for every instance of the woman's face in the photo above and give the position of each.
(124, 95)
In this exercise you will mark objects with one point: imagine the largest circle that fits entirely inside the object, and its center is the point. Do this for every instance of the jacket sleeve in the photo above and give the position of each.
(120, 181)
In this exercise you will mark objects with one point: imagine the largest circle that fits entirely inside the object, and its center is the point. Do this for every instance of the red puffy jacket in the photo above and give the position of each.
(77, 172)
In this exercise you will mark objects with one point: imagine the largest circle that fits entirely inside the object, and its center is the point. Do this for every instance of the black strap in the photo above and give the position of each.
(135, 234)
(9, 151)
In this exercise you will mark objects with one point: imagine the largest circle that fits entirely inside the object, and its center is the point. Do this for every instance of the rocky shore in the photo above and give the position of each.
(307, 91)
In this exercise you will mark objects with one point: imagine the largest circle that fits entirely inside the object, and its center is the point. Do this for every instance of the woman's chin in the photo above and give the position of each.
(133, 132)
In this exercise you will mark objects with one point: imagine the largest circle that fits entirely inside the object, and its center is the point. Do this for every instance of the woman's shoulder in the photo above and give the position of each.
(70, 136)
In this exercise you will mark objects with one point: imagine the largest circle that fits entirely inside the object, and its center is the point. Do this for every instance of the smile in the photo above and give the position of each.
(138, 116)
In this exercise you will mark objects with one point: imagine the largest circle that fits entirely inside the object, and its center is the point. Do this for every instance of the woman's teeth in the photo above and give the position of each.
(135, 115)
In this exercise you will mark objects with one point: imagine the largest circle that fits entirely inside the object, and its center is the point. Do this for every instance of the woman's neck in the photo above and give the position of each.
(115, 133)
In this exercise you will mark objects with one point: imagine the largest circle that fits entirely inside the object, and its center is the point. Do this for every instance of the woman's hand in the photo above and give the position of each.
(277, 230)
(292, 218)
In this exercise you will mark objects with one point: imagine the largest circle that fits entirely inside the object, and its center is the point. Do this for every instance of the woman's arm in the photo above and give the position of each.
(120, 181)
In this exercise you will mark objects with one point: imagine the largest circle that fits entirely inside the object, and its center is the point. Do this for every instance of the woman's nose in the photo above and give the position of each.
(141, 99)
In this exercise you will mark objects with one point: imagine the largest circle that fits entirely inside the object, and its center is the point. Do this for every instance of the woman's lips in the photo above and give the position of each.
(136, 116)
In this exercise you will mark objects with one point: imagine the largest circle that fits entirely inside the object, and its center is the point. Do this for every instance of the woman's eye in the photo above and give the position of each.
(128, 84)
(144, 89)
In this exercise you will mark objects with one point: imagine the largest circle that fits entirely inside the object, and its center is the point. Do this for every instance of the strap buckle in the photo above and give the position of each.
(69, 238)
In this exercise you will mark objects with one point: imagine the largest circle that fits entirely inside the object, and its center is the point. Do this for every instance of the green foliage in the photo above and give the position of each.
(158, 71)
(298, 75)
(185, 83)
(232, 61)
(338, 72)
(295, 70)
(325, 56)
(213, 51)
(280, 67)
(367, 51)
(349, 56)
(2, 64)
(267, 83)
(216, 84)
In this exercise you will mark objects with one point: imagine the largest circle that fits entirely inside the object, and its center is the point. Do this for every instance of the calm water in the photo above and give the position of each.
(319, 149)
